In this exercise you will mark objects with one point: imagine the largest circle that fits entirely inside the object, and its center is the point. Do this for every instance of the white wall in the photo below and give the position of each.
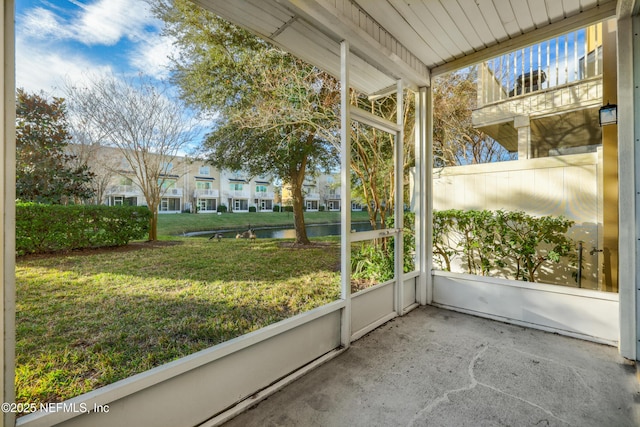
(562, 185)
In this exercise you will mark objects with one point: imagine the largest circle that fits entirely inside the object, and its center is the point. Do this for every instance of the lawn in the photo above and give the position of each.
(88, 319)
(178, 224)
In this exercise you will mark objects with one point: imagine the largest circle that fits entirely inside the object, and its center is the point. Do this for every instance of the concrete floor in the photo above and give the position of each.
(435, 367)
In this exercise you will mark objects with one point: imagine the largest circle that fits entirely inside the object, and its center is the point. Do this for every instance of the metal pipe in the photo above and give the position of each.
(579, 277)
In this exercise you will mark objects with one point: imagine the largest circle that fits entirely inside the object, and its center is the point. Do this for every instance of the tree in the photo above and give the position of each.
(276, 114)
(87, 147)
(147, 127)
(45, 170)
(455, 140)
(372, 157)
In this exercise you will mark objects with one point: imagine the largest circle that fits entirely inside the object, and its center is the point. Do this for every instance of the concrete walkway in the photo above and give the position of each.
(435, 367)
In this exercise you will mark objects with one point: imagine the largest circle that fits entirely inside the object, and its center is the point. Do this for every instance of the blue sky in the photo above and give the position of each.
(70, 39)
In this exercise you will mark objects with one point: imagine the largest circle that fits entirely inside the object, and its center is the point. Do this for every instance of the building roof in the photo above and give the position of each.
(411, 41)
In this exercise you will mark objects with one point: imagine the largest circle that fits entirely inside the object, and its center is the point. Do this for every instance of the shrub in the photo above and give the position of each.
(321, 208)
(222, 208)
(514, 242)
(48, 228)
(374, 260)
(276, 208)
(287, 208)
(252, 209)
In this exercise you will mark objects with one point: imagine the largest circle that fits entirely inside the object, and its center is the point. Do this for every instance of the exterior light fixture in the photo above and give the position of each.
(608, 114)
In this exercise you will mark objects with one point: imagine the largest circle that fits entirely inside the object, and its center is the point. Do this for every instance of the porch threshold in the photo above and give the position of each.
(443, 368)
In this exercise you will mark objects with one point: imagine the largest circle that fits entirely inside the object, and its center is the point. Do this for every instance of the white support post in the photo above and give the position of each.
(628, 42)
(7, 209)
(345, 194)
(523, 126)
(424, 165)
(428, 190)
(399, 205)
(419, 196)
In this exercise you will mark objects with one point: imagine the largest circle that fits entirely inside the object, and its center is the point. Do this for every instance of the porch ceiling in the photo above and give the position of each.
(408, 40)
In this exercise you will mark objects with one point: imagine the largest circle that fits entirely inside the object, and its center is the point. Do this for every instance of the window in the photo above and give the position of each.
(235, 186)
(125, 181)
(203, 185)
(167, 166)
(166, 184)
(261, 188)
(204, 170)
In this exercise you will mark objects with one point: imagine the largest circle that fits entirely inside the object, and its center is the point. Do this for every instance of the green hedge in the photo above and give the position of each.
(484, 242)
(49, 228)
(511, 241)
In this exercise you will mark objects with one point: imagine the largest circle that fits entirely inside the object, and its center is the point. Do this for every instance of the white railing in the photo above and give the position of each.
(240, 194)
(263, 195)
(172, 192)
(123, 189)
(201, 192)
(564, 60)
(312, 196)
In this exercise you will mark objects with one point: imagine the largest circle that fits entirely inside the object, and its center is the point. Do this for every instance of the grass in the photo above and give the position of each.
(178, 224)
(90, 319)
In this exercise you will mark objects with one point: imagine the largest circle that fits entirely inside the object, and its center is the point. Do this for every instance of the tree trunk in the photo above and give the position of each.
(153, 223)
(298, 209)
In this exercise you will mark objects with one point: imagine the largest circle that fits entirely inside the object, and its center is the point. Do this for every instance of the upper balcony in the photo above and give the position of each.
(554, 84)
(123, 190)
(264, 195)
(237, 194)
(209, 192)
(172, 192)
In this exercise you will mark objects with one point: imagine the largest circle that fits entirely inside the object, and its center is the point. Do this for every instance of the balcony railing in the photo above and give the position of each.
(201, 192)
(312, 196)
(168, 192)
(123, 189)
(237, 194)
(263, 195)
(562, 61)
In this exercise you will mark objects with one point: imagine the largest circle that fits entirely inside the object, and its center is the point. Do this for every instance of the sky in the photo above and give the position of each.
(58, 40)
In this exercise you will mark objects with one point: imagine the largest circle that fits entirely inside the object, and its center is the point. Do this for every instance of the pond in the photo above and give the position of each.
(313, 230)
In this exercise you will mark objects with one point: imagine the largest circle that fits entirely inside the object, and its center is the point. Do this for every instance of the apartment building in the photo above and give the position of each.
(188, 184)
(321, 192)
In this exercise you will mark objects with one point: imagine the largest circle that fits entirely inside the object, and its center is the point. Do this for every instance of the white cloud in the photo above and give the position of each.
(152, 56)
(47, 70)
(103, 22)
(45, 40)
(42, 23)
(107, 21)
